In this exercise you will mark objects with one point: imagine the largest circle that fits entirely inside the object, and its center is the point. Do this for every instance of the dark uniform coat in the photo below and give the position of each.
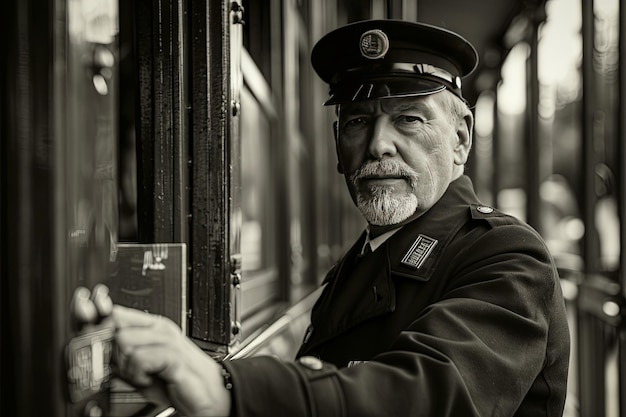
(460, 313)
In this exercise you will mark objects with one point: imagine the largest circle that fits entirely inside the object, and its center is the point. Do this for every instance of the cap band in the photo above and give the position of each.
(384, 87)
(385, 80)
(406, 68)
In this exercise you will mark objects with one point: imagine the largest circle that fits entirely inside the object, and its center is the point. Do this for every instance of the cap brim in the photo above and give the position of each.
(383, 88)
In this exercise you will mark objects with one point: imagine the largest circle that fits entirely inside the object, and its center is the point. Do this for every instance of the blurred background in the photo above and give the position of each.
(178, 151)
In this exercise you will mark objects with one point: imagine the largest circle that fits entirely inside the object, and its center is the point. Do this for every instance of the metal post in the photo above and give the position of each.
(590, 337)
(621, 194)
(588, 162)
(621, 145)
(533, 155)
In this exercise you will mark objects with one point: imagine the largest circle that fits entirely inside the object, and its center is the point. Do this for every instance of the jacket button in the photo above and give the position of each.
(311, 362)
(485, 209)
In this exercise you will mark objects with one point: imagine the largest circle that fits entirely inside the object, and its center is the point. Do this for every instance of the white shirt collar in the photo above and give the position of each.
(376, 242)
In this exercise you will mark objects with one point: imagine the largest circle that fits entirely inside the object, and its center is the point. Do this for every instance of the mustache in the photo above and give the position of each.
(385, 167)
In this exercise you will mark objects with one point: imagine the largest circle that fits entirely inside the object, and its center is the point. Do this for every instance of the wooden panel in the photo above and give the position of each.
(162, 142)
(210, 275)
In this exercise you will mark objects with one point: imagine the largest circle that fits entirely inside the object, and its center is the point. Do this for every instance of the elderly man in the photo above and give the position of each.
(443, 307)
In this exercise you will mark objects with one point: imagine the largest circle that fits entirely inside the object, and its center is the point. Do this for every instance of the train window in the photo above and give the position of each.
(258, 191)
(91, 174)
(258, 187)
(295, 38)
(287, 161)
(257, 34)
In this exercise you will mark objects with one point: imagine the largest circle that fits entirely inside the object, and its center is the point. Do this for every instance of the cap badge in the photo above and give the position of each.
(374, 44)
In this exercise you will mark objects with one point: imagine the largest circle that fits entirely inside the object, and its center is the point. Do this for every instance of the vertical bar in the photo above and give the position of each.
(278, 10)
(495, 177)
(533, 156)
(161, 141)
(210, 102)
(394, 9)
(621, 187)
(588, 162)
(163, 31)
(590, 337)
(180, 123)
(236, 84)
(591, 357)
(143, 21)
(621, 145)
(31, 292)
(409, 10)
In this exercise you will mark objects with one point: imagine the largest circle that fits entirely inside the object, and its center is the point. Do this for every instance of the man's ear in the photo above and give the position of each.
(336, 134)
(465, 128)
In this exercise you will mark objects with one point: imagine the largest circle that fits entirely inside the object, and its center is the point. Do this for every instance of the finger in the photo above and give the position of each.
(131, 337)
(102, 300)
(82, 308)
(145, 363)
(193, 383)
(131, 317)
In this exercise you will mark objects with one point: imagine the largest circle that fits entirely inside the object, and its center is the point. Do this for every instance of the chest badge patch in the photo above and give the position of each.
(419, 251)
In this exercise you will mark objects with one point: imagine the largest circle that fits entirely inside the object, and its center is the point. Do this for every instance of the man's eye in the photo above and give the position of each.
(357, 121)
(407, 119)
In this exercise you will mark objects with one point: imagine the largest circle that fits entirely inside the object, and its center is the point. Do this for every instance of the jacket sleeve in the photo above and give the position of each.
(475, 352)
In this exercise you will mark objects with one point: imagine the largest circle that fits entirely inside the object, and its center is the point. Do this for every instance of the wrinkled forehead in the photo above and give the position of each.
(391, 105)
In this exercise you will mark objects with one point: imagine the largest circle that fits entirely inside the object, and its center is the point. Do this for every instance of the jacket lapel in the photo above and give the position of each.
(417, 249)
(360, 288)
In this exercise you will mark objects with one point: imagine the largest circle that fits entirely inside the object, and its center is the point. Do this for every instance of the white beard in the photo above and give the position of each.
(384, 208)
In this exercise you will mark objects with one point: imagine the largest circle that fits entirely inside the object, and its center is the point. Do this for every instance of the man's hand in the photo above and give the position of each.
(153, 351)
(154, 356)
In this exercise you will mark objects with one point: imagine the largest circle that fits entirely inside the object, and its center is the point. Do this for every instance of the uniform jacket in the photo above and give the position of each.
(460, 313)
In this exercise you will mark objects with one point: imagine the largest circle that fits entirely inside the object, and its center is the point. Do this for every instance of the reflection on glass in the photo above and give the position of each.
(256, 187)
(90, 93)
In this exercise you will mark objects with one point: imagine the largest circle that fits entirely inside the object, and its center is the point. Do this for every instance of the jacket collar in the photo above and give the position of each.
(415, 250)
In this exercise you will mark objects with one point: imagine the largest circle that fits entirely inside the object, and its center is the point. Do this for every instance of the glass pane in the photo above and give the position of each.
(91, 150)
(257, 188)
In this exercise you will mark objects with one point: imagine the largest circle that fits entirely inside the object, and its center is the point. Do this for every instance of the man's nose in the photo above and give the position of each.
(382, 140)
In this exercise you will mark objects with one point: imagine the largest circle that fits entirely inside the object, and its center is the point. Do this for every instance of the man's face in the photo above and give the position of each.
(400, 154)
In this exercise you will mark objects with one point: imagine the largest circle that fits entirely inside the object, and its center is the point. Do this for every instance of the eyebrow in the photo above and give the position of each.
(355, 108)
(387, 106)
